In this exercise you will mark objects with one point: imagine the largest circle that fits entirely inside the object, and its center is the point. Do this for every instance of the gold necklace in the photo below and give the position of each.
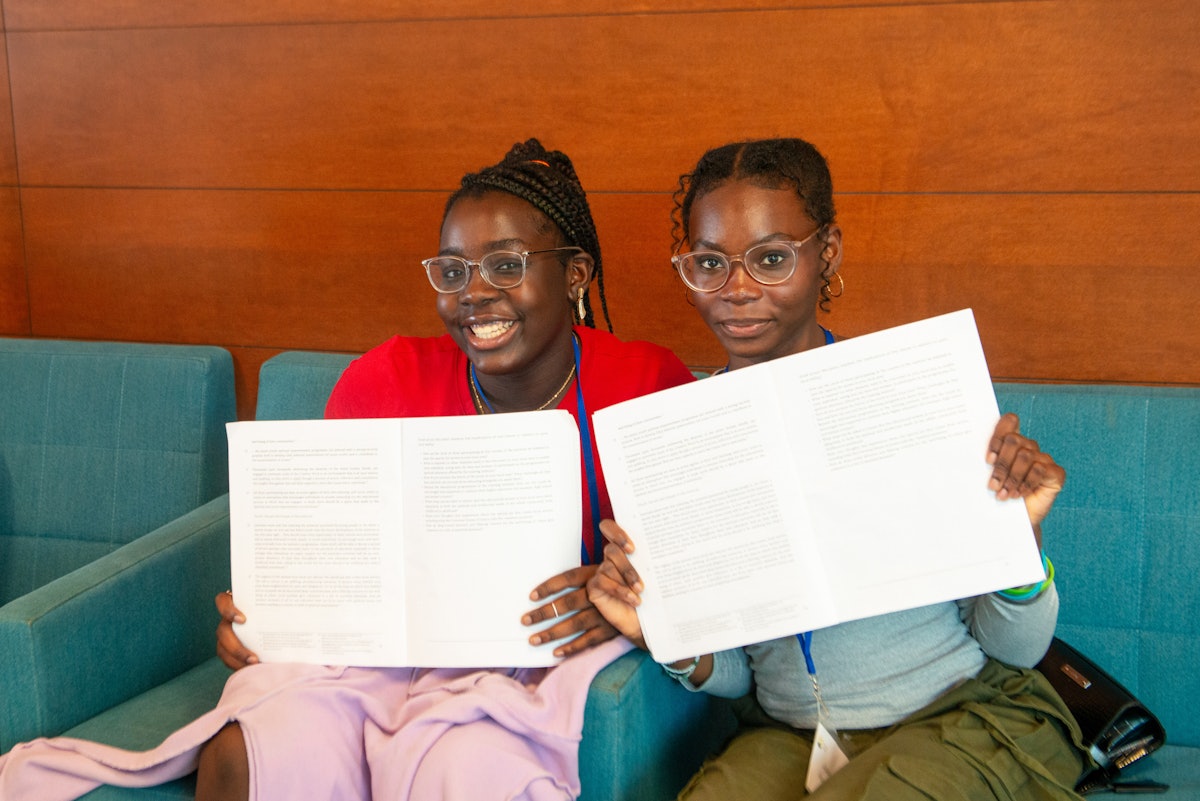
(483, 407)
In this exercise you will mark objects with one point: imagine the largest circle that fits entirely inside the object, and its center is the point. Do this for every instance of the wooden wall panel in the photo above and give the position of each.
(83, 14)
(267, 176)
(278, 269)
(14, 297)
(965, 97)
(8, 153)
(1050, 277)
(1063, 287)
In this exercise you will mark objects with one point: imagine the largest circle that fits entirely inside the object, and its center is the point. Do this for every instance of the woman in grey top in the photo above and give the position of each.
(935, 702)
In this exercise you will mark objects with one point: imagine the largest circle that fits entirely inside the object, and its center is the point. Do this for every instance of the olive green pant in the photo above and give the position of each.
(1003, 735)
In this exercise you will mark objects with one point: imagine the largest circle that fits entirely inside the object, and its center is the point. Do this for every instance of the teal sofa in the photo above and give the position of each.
(1125, 537)
(100, 445)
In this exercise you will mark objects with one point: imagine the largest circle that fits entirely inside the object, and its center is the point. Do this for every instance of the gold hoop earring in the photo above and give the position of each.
(579, 306)
(841, 286)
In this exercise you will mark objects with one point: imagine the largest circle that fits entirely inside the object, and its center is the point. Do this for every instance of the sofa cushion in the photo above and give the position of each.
(1125, 533)
(294, 385)
(101, 442)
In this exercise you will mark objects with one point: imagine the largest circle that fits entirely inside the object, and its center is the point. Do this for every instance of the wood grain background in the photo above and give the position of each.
(267, 176)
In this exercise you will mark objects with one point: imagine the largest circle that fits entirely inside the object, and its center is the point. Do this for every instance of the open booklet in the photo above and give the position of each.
(401, 542)
(839, 483)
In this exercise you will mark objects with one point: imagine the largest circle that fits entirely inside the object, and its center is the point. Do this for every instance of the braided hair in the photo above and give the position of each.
(770, 163)
(545, 179)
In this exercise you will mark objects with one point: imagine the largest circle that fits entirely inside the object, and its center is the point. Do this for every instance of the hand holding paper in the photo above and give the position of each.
(1019, 470)
(772, 500)
(378, 543)
(616, 588)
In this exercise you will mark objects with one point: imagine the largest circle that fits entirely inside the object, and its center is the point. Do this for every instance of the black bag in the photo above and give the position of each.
(1118, 729)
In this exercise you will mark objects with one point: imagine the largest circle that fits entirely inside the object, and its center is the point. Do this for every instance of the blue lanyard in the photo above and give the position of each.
(589, 458)
(822, 710)
(806, 646)
(589, 465)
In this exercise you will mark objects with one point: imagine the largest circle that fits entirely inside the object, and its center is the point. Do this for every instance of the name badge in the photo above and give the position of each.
(827, 758)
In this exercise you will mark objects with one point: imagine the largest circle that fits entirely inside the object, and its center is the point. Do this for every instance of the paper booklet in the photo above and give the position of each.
(401, 542)
(839, 483)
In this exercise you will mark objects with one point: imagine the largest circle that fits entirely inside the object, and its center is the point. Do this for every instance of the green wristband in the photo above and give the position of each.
(1031, 591)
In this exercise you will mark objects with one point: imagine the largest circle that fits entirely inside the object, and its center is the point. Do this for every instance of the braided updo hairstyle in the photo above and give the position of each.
(545, 179)
(770, 163)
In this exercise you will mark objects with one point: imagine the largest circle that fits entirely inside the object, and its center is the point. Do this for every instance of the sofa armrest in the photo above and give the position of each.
(113, 628)
(644, 735)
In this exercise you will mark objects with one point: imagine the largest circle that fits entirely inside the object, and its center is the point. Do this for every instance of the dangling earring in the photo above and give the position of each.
(579, 306)
(841, 285)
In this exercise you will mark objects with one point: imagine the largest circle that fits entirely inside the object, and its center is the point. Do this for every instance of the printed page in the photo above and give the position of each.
(316, 548)
(701, 480)
(497, 512)
(865, 459)
(897, 459)
(397, 542)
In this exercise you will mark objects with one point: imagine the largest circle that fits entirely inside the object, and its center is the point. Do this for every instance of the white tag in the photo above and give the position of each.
(827, 758)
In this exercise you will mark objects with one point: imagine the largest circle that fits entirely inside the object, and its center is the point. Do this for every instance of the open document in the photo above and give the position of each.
(401, 542)
(839, 483)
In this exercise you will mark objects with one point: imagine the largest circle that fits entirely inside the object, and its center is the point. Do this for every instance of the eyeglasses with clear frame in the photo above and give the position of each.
(769, 263)
(503, 269)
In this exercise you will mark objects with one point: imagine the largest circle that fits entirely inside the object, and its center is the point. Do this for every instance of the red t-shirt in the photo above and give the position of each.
(427, 377)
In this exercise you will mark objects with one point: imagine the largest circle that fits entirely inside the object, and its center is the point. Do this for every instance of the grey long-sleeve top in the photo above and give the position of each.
(876, 671)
